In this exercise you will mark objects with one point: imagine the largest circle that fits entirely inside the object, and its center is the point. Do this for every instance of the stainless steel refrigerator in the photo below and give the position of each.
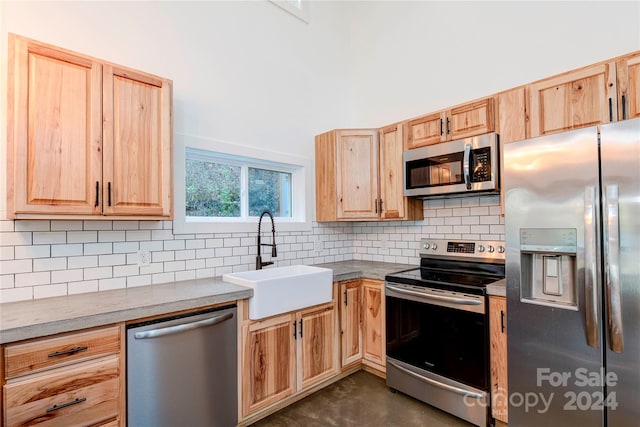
(572, 223)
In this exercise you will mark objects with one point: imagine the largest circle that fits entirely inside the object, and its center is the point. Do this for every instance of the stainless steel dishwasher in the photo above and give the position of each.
(182, 370)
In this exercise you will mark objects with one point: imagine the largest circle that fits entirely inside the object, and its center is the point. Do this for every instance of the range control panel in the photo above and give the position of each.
(462, 248)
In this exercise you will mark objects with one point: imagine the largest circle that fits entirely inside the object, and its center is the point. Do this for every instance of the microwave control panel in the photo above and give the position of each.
(481, 165)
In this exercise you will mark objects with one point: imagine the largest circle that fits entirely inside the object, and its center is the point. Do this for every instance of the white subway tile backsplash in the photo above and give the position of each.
(98, 248)
(142, 280)
(126, 225)
(82, 287)
(156, 267)
(110, 260)
(174, 266)
(125, 247)
(82, 236)
(16, 294)
(48, 291)
(205, 253)
(114, 283)
(7, 281)
(98, 273)
(185, 275)
(150, 225)
(7, 226)
(49, 264)
(16, 266)
(161, 235)
(7, 253)
(163, 278)
(111, 236)
(83, 261)
(152, 245)
(195, 264)
(33, 251)
(174, 245)
(67, 276)
(74, 249)
(184, 255)
(125, 270)
(97, 225)
(162, 256)
(32, 279)
(32, 225)
(10, 238)
(206, 272)
(194, 244)
(66, 225)
(138, 235)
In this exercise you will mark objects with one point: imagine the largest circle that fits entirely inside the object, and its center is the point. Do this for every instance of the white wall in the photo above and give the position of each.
(249, 73)
(412, 58)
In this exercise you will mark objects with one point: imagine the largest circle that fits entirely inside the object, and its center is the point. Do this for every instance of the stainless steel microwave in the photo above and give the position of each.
(453, 169)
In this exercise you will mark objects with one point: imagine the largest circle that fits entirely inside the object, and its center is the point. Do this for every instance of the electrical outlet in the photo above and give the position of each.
(319, 246)
(384, 240)
(144, 258)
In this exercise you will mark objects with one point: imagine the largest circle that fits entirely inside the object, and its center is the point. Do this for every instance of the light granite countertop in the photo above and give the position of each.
(37, 318)
(498, 288)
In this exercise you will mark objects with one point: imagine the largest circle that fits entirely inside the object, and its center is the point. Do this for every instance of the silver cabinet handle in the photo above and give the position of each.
(465, 165)
(438, 384)
(590, 271)
(154, 333)
(425, 295)
(612, 270)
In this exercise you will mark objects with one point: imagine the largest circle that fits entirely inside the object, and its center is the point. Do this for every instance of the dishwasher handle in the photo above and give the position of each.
(155, 333)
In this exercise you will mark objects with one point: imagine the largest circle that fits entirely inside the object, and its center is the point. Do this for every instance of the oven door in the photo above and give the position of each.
(438, 331)
(452, 167)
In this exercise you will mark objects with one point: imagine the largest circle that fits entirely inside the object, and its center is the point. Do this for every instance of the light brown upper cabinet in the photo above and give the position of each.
(348, 174)
(628, 73)
(393, 204)
(474, 118)
(576, 99)
(86, 139)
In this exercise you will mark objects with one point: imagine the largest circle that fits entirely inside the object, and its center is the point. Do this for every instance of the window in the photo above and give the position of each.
(221, 187)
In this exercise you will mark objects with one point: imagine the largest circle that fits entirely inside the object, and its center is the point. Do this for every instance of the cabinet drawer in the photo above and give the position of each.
(83, 394)
(35, 356)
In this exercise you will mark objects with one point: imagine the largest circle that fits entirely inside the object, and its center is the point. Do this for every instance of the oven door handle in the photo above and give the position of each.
(435, 383)
(455, 300)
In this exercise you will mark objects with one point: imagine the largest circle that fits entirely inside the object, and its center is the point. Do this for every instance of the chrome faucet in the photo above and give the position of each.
(274, 253)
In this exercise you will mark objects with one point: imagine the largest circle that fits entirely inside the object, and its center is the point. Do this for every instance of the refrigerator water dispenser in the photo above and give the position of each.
(549, 267)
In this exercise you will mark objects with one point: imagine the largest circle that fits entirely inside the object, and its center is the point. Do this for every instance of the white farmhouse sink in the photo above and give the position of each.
(283, 289)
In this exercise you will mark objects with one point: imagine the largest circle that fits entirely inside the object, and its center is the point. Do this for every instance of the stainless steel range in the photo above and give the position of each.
(437, 326)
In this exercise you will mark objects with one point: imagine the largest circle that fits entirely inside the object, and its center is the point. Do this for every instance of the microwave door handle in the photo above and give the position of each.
(465, 165)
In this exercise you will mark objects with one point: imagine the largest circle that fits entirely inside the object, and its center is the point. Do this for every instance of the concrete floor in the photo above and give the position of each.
(361, 399)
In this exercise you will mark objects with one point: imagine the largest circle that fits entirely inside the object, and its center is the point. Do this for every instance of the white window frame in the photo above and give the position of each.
(301, 182)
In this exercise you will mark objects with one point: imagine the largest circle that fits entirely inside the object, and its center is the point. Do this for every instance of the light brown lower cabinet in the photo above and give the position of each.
(74, 379)
(351, 322)
(287, 354)
(374, 342)
(498, 355)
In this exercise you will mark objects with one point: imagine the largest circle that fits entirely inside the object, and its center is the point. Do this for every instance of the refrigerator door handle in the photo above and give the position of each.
(612, 271)
(590, 271)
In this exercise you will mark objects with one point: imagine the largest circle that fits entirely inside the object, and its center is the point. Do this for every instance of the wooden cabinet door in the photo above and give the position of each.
(426, 130)
(317, 350)
(137, 143)
(357, 174)
(54, 130)
(374, 342)
(498, 333)
(470, 119)
(269, 362)
(392, 199)
(351, 321)
(573, 100)
(628, 71)
(326, 187)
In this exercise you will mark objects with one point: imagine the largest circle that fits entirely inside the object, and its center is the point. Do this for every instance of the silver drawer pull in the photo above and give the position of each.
(64, 405)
